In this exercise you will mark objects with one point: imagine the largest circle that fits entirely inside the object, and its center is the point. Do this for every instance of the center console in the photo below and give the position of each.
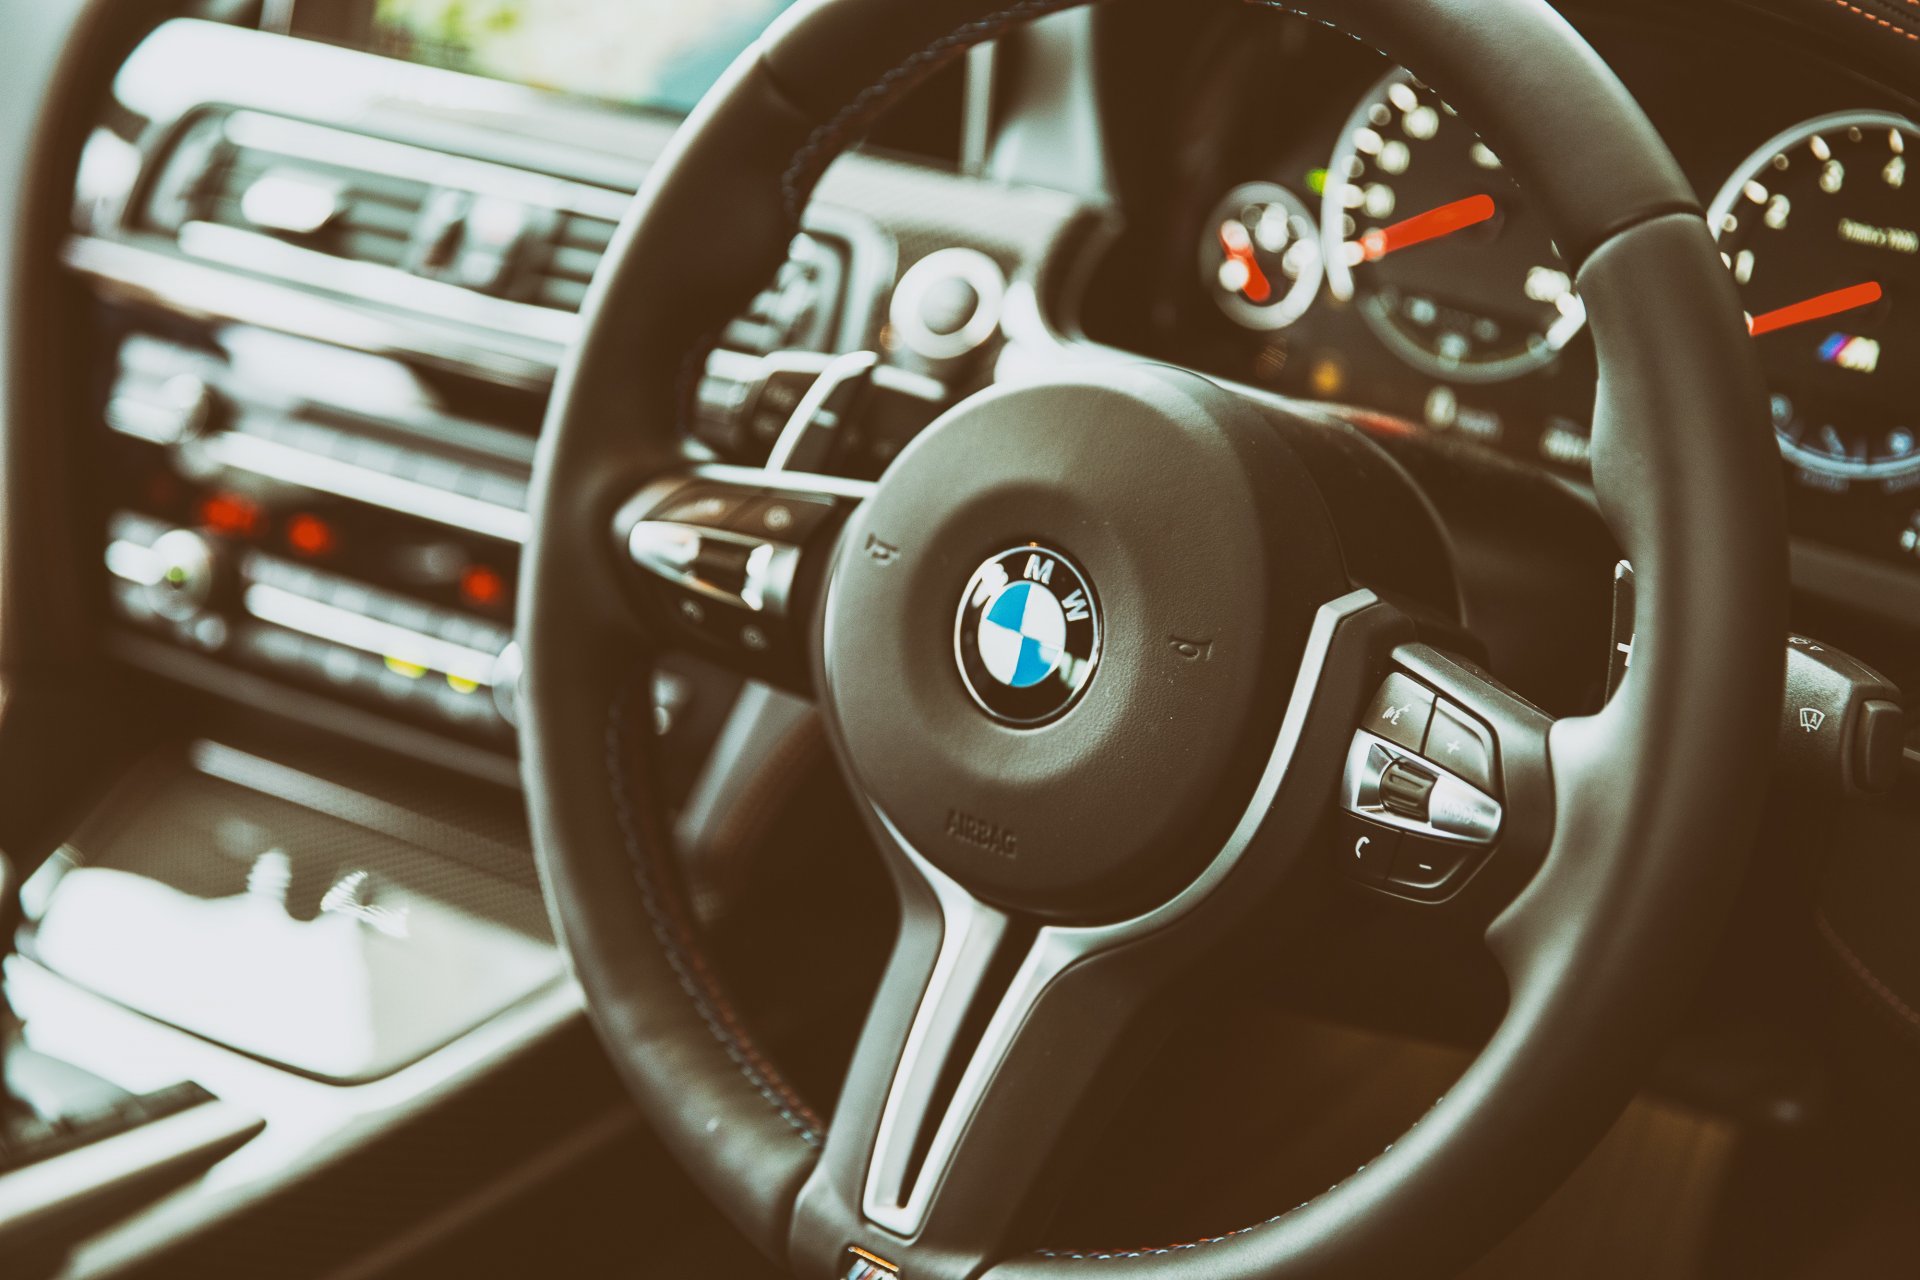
(329, 293)
(337, 506)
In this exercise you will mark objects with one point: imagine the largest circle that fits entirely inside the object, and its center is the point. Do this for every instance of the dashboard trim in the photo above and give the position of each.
(285, 701)
(276, 461)
(341, 148)
(389, 286)
(162, 279)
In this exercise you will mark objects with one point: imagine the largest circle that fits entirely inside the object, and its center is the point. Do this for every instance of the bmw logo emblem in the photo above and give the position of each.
(1028, 635)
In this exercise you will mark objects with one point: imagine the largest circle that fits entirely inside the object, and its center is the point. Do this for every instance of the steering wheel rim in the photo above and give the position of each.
(1652, 801)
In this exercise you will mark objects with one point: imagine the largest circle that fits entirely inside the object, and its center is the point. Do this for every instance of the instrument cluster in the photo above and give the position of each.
(1370, 249)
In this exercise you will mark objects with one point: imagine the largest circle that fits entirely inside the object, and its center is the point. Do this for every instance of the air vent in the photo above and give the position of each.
(558, 274)
(267, 194)
(796, 312)
(341, 212)
(799, 310)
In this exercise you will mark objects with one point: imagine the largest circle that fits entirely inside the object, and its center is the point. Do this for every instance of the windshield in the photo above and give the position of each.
(653, 53)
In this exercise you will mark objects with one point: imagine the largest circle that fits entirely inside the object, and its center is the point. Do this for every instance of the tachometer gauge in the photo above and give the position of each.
(1260, 256)
(1823, 238)
(1424, 229)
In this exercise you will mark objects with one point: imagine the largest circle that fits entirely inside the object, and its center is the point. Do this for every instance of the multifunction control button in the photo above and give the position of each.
(1400, 712)
(1426, 866)
(1419, 797)
(1461, 745)
(725, 560)
(1366, 849)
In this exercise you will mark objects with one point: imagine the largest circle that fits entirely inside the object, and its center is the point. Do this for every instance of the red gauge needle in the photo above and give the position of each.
(1422, 227)
(1238, 246)
(1827, 304)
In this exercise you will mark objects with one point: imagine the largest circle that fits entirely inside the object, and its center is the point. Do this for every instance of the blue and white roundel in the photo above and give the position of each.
(1028, 635)
(1023, 635)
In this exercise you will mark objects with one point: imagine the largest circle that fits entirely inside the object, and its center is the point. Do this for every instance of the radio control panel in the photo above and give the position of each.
(291, 538)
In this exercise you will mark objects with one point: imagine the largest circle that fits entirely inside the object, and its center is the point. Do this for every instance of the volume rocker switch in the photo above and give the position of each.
(1461, 745)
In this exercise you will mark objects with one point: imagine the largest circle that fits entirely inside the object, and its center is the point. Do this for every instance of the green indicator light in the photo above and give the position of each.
(1317, 181)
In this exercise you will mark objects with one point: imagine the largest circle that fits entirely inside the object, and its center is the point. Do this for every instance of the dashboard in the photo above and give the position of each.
(332, 290)
(334, 315)
(1332, 230)
(333, 298)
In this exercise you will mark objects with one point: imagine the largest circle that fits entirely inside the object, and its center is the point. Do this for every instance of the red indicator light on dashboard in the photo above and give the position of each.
(481, 585)
(232, 515)
(311, 536)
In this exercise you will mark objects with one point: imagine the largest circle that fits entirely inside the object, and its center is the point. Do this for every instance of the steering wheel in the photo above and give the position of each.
(1102, 660)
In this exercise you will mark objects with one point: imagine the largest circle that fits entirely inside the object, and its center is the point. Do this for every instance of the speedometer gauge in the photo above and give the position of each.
(1423, 228)
(1822, 235)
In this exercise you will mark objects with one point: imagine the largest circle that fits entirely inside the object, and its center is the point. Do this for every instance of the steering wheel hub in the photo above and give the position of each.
(1135, 559)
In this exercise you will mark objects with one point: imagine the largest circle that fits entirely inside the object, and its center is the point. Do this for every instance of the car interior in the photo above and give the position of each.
(935, 639)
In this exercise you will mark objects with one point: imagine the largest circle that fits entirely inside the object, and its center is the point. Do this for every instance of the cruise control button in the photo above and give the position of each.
(781, 518)
(709, 508)
(1425, 865)
(1400, 712)
(1365, 849)
(1461, 745)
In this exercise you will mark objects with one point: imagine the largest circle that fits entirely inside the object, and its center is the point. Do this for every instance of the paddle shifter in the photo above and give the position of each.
(1842, 724)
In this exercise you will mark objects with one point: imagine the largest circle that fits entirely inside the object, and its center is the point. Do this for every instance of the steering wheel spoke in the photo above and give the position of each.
(1001, 1056)
(998, 1037)
(730, 561)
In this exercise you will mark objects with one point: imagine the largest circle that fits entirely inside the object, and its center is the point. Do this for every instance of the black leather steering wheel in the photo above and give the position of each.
(1205, 588)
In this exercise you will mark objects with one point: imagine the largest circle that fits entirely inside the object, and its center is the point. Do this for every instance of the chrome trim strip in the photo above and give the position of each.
(970, 933)
(670, 550)
(369, 635)
(1461, 812)
(786, 481)
(339, 148)
(151, 1151)
(345, 480)
(1055, 949)
(204, 291)
(390, 286)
